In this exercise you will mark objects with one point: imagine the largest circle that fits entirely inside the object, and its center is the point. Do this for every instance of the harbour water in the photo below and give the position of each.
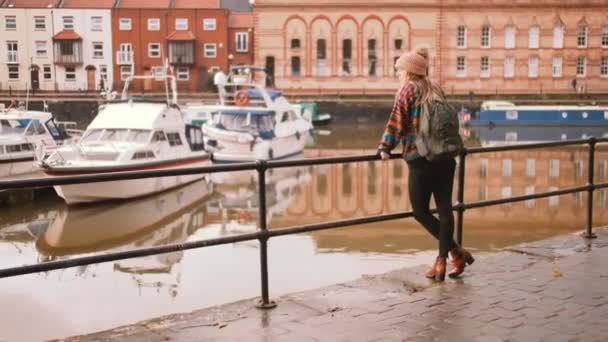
(86, 299)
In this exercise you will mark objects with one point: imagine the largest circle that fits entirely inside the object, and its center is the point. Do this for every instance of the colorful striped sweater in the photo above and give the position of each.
(402, 126)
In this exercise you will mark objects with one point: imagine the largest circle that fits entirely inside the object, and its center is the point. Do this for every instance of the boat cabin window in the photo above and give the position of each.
(19, 148)
(34, 128)
(288, 116)
(143, 155)
(113, 135)
(174, 139)
(91, 135)
(13, 126)
(242, 122)
(159, 136)
(1, 149)
(138, 135)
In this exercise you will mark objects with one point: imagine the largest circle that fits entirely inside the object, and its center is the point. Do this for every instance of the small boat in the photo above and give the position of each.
(308, 110)
(130, 135)
(252, 122)
(26, 135)
(507, 113)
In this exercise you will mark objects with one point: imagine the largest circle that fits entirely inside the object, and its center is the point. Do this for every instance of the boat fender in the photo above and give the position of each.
(241, 98)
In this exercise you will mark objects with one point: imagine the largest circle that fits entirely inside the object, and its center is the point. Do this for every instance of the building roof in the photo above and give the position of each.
(143, 4)
(67, 35)
(244, 19)
(237, 5)
(181, 36)
(196, 4)
(31, 3)
(88, 3)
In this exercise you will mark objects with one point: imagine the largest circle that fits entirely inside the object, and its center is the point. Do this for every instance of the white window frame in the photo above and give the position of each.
(40, 23)
(96, 23)
(124, 24)
(158, 72)
(558, 36)
(509, 68)
(46, 72)
(37, 48)
(461, 34)
(97, 53)
(12, 49)
(103, 73)
(484, 67)
(507, 167)
(18, 73)
(579, 166)
(486, 35)
(530, 167)
(125, 71)
(582, 36)
(72, 71)
(530, 190)
(553, 200)
(510, 37)
(67, 22)
(605, 36)
(209, 24)
(581, 66)
(604, 66)
(557, 66)
(153, 52)
(153, 24)
(461, 68)
(181, 24)
(210, 50)
(533, 66)
(554, 168)
(242, 41)
(180, 73)
(483, 168)
(10, 19)
(534, 37)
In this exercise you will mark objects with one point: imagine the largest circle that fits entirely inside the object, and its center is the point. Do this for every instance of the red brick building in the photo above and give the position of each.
(240, 38)
(192, 35)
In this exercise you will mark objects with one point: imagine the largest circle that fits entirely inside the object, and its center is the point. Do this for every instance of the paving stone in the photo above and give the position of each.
(504, 296)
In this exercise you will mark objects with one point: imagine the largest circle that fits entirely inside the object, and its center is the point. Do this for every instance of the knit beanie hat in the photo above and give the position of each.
(414, 62)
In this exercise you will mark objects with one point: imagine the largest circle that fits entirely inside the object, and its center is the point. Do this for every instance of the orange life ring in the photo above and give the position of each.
(241, 98)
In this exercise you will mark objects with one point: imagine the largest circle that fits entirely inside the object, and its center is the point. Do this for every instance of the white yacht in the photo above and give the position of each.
(24, 136)
(130, 136)
(252, 122)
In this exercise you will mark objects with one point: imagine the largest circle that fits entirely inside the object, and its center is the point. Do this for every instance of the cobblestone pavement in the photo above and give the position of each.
(552, 290)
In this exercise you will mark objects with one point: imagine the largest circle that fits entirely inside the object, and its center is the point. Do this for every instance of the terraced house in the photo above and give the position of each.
(484, 46)
(56, 45)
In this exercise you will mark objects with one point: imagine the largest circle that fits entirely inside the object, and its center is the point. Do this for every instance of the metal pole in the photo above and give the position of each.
(265, 302)
(460, 203)
(589, 233)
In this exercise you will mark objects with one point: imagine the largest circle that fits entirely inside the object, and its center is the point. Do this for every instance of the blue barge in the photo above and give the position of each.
(506, 113)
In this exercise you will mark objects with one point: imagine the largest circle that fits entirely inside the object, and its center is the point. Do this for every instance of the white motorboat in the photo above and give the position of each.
(252, 122)
(129, 136)
(24, 136)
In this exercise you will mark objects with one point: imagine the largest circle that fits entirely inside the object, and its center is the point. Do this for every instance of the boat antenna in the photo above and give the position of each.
(166, 74)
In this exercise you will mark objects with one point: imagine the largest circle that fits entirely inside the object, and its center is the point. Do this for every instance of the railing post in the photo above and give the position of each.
(588, 234)
(265, 302)
(460, 203)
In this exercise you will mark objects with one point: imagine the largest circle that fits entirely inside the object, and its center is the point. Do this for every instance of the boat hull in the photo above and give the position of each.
(125, 189)
(277, 148)
(17, 168)
(534, 117)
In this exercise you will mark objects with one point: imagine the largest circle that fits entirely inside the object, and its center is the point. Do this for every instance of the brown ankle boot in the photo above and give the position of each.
(460, 258)
(430, 273)
(440, 266)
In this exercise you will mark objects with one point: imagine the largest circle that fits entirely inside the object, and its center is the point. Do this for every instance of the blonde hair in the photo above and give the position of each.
(426, 90)
(412, 63)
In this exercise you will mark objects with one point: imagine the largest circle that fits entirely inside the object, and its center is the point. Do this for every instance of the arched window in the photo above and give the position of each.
(558, 36)
(581, 35)
(534, 37)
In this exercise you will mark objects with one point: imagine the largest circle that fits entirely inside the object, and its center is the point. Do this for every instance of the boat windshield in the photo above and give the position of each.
(117, 135)
(13, 126)
(239, 122)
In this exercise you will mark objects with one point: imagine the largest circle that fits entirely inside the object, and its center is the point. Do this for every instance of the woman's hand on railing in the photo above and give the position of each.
(384, 156)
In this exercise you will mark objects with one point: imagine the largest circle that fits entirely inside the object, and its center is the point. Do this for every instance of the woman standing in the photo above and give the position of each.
(425, 177)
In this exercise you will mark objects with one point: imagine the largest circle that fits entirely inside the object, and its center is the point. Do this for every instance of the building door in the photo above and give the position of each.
(35, 77)
(90, 78)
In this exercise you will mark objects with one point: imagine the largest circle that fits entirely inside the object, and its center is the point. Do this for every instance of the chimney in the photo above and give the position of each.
(117, 4)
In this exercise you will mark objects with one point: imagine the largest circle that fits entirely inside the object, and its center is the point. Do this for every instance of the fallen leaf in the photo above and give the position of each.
(557, 274)
(223, 325)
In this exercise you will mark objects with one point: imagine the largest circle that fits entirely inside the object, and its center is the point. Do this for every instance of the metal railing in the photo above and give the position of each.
(264, 234)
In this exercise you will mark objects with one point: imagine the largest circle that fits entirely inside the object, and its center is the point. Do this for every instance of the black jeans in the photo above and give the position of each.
(436, 178)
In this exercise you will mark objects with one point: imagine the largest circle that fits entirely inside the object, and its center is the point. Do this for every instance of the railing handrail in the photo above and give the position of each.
(264, 234)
